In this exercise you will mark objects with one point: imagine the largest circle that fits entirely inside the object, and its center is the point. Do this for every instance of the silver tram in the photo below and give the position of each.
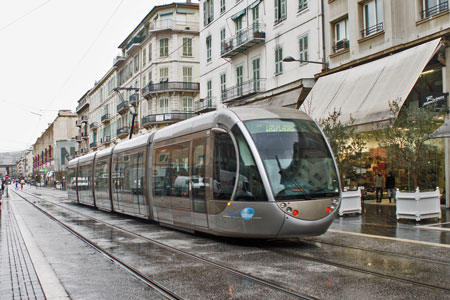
(241, 172)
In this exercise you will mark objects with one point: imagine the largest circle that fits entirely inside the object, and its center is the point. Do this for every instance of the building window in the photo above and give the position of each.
(256, 74)
(150, 52)
(303, 46)
(223, 86)
(187, 104)
(341, 40)
(163, 47)
(433, 7)
(163, 105)
(239, 30)
(278, 61)
(144, 57)
(187, 46)
(136, 63)
(187, 78)
(280, 10)
(164, 77)
(222, 6)
(222, 40)
(209, 90)
(372, 12)
(302, 4)
(208, 49)
(208, 12)
(239, 79)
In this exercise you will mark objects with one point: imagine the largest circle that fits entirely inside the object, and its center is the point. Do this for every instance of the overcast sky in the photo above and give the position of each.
(51, 53)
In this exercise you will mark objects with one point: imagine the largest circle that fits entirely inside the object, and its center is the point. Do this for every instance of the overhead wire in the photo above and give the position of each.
(23, 16)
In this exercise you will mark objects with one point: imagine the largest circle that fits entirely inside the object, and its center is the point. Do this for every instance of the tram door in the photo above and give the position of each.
(198, 182)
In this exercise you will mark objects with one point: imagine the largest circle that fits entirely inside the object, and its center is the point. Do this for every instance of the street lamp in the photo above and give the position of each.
(291, 59)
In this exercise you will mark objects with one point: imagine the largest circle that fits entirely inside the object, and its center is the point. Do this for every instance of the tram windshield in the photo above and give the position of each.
(296, 158)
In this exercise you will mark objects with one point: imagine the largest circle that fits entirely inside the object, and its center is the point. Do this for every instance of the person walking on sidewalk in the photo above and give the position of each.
(22, 182)
(390, 186)
(379, 183)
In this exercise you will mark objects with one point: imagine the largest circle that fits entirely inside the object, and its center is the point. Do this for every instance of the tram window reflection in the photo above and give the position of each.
(224, 166)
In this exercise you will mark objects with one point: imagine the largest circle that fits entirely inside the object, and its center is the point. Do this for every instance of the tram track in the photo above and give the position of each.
(284, 252)
(143, 277)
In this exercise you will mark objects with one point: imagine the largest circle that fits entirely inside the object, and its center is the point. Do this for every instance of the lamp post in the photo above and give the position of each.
(291, 59)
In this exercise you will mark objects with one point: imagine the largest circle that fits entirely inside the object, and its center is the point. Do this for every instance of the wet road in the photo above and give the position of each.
(352, 260)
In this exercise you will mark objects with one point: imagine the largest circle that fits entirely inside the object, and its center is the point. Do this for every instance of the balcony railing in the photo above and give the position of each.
(431, 11)
(93, 125)
(84, 119)
(124, 131)
(106, 117)
(244, 89)
(372, 29)
(153, 88)
(173, 25)
(81, 105)
(106, 139)
(135, 40)
(167, 117)
(84, 136)
(118, 60)
(133, 98)
(78, 123)
(341, 45)
(243, 40)
(93, 145)
(206, 104)
(122, 107)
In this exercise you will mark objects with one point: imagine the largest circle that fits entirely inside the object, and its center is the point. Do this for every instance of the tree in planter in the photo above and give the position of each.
(347, 145)
(405, 140)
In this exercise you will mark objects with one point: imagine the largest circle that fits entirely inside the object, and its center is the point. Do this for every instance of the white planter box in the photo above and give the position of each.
(351, 202)
(418, 205)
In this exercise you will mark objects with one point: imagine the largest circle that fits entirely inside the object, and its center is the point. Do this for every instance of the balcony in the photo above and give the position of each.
(134, 43)
(123, 132)
(372, 30)
(93, 145)
(431, 11)
(118, 60)
(243, 40)
(341, 45)
(122, 107)
(84, 119)
(173, 25)
(93, 125)
(166, 118)
(84, 103)
(84, 136)
(78, 123)
(106, 140)
(205, 105)
(106, 117)
(78, 138)
(83, 151)
(170, 86)
(246, 89)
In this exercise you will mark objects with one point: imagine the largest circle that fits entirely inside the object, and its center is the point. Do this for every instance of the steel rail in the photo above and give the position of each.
(258, 280)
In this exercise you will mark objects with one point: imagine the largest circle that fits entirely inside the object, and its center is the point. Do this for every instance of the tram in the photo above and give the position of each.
(238, 172)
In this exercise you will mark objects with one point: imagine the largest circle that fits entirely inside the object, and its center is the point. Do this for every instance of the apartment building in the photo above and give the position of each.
(382, 52)
(245, 43)
(82, 123)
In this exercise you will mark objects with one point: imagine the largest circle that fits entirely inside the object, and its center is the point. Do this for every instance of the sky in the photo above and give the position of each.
(51, 53)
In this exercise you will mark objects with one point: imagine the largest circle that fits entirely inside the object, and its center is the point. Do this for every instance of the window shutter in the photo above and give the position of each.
(275, 9)
(205, 13)
(211, 7)
(283, 9)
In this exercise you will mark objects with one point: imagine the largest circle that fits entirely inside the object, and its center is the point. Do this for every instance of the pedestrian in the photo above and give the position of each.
(22, 182)
(379, 183)
(390, 186)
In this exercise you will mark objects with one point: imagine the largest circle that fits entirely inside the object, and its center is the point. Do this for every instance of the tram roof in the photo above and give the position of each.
(86, 158)
(136, 142)
(104, 152)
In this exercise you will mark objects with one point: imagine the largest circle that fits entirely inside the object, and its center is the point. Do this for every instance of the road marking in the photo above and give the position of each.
(433, 226)
(391, 238)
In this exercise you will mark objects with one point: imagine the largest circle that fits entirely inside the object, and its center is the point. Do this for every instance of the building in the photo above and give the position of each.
(8, 163)
(82, 123)
(62, 128)
(245, 43)
(379, 53)
(152, 83)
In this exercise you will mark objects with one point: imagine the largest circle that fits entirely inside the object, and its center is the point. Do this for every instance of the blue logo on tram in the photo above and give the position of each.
(247, 213)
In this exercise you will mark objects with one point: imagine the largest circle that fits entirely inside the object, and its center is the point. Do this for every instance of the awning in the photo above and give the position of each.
(254, 4)
(364, 92)
(167, 12)
(441, 132)
(238, 15)
(185, 11)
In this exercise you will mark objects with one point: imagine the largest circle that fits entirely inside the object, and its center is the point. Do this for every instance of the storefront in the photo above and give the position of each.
(392, 104)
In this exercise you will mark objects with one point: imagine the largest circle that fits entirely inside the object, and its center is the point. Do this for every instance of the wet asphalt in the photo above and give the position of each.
(367, 256)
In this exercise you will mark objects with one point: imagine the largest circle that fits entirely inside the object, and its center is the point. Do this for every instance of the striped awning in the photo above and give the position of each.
(238, 15)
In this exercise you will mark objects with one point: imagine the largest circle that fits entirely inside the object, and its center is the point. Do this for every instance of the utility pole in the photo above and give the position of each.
(132, 104)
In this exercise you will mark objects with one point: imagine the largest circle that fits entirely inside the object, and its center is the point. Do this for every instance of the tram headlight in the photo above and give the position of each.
(335, 201)
(289, 210)
(283, 205)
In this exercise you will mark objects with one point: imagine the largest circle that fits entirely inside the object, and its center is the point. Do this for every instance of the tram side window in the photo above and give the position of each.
(125, 167)
(137, 173)
(224, 166)
(250, 187)
(171, 171)
(101, 176)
